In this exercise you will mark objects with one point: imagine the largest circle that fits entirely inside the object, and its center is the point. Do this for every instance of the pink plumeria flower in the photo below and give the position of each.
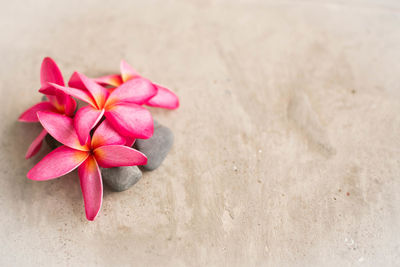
(58, 103)
(164, 98)
(106, 149)
(121, 107)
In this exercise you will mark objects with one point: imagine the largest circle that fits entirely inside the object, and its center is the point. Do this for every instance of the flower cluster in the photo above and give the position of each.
(100, 134)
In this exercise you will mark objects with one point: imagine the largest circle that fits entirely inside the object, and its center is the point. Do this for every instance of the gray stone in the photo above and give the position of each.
(121, 178)
(157, 147)
(51, 142)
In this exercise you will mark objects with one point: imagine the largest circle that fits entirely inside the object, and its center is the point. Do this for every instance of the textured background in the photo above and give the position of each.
(286, 146)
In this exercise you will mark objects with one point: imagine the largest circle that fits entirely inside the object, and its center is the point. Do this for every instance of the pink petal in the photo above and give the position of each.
(112, 80)
(106, 135)
(62, 129)
(130, 120)
(85, 120)
(78, 93)
(76, 82)
(54, 97)
(129, 141)
(36, 145)
(127, 72)
(48, 90)
(138, 91)
(164, 99)
(49, 72)
(59, 101)
(62, 103)
(98, 92)
(117, 155)
(92, 187)
(59, 162)
(30, 114)
(70, 106)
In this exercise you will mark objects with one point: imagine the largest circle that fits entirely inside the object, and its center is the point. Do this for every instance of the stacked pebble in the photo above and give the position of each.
(155, 148)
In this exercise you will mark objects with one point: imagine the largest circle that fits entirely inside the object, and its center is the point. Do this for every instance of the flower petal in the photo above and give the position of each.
(164, 98)
(138, 91)
(76, 82)
(117, 155)
(127, 72)
(30, 114)
(85, 120)
(59, 162)
(62, 129)
(62, 103)
(70, 106)
(52, 98)
(36, 145)
(106, 135)
(130, 120)
(92, 187)
(49, 72)
(78, 93)
(98, 92)
(56, 97)
(129, 141)
(112, 80)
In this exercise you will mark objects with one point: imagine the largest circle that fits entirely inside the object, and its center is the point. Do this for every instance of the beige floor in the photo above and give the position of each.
(287, 139)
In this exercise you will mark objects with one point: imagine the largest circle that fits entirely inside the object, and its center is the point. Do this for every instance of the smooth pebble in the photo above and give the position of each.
(157, 147)
(121, 178)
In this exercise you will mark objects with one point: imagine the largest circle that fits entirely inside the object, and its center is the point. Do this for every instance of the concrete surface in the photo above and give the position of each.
(287, 139)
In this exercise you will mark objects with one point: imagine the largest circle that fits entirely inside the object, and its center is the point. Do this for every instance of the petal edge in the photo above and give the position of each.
(91, 186)
(164, 98)
(117, 155)
(59, 162)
